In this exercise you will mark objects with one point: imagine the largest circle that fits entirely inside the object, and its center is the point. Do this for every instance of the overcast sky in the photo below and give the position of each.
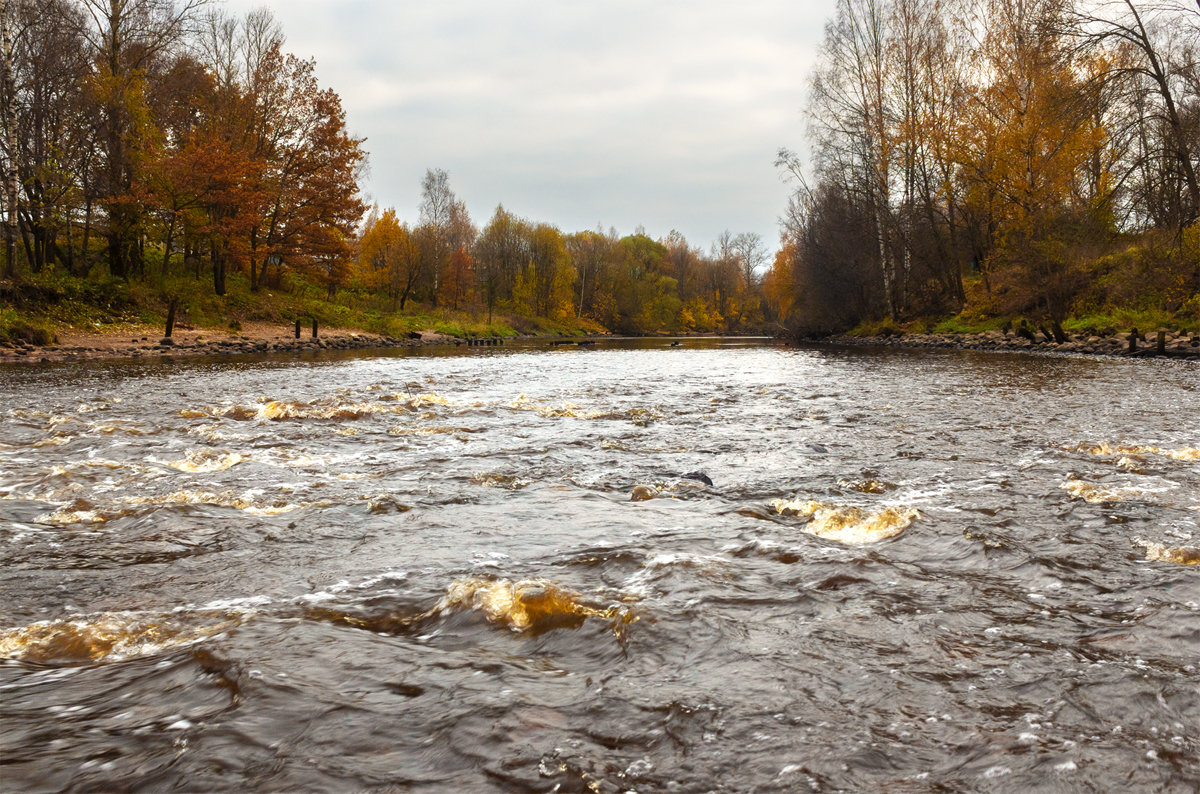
(660, 113)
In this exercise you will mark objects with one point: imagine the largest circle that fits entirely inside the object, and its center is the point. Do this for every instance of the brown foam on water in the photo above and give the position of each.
(276, 411)
(533, 605)
(1132, 463)
(400, 430)
(1095, 493)
(566, 410)
(56, 440)
(207, 460)
(51, 419)
(104, 638)
(495, 479)
(246, 503)
(70, 469)
(675, 490)
(529, 606)
(1107, 449)
(81, 511)
(847, 523)
(335, 409)
(1181, 555)
(867, 486)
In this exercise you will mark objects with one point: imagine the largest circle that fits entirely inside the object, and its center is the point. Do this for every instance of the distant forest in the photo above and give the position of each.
(153, 141)
(1033, 158)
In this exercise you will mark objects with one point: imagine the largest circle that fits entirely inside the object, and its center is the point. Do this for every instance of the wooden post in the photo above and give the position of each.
(171, 317)
(1133, 340)
(297, 329)
(314, 328)
(1161, 346)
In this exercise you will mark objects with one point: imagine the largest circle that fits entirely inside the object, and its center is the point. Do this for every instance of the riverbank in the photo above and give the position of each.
(1176, 344)
(142, 341)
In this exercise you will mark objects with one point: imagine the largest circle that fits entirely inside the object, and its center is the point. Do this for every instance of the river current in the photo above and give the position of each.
(505, 569)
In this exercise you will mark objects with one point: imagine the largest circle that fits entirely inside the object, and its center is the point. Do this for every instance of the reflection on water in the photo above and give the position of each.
(714, 566)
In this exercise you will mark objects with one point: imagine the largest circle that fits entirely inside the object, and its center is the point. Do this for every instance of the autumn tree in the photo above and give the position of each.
(1030, 137)
(308, 168)
(458, 276)
(590, 251)
(501, 250)
(390, 258)
(127, 39)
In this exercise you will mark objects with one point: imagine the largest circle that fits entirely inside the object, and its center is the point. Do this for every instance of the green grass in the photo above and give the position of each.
(884, 327)
(54, 302)
(1122, 320)
(1095, 324)
(960, 324)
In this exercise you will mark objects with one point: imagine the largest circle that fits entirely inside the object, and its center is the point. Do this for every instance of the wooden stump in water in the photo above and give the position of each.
(1161, 342)
(1133, 340)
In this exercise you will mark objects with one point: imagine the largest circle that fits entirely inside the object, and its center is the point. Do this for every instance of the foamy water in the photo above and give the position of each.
(506, 569)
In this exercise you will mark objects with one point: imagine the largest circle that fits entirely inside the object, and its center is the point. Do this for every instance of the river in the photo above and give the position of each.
(502, 569)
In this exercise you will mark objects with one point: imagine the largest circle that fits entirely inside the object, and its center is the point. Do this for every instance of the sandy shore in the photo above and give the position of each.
(1177, 345)
(134, 342)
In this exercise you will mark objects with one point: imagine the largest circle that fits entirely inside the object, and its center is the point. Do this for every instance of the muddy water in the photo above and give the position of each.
(913, 571)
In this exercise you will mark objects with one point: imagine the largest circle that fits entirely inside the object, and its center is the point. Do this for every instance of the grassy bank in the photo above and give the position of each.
(1093, 315)
(1115, 321)
(37, 309)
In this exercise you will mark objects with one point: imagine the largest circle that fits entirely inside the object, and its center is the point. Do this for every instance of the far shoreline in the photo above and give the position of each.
(1178, 346)
(137, 342)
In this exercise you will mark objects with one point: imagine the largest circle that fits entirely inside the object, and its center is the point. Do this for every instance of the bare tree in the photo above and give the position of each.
(436, 215)
(8, 116)
(1162, 39)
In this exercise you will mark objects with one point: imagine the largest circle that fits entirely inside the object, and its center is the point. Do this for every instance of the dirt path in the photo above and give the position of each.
(140, 341)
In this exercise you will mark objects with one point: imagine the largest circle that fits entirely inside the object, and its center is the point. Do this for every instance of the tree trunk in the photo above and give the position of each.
(171, 317)
(87, 234)
(254, 274)
(217, 255)
(10, 144)
(70, 247)
(166, 260)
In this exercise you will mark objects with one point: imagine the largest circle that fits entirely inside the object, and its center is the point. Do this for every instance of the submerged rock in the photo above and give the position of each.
(641, 493)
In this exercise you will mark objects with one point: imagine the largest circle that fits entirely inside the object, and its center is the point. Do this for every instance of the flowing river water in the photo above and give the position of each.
(502, 570)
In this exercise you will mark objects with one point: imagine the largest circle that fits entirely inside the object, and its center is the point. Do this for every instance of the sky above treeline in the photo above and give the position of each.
(611, 113)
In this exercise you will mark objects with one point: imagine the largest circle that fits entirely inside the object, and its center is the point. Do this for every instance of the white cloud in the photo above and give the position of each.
(617, 112)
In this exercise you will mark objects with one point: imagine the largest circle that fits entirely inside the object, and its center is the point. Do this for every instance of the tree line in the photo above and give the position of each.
(146, 140)
(1045, 151)
(630, 284)
(147, 136)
